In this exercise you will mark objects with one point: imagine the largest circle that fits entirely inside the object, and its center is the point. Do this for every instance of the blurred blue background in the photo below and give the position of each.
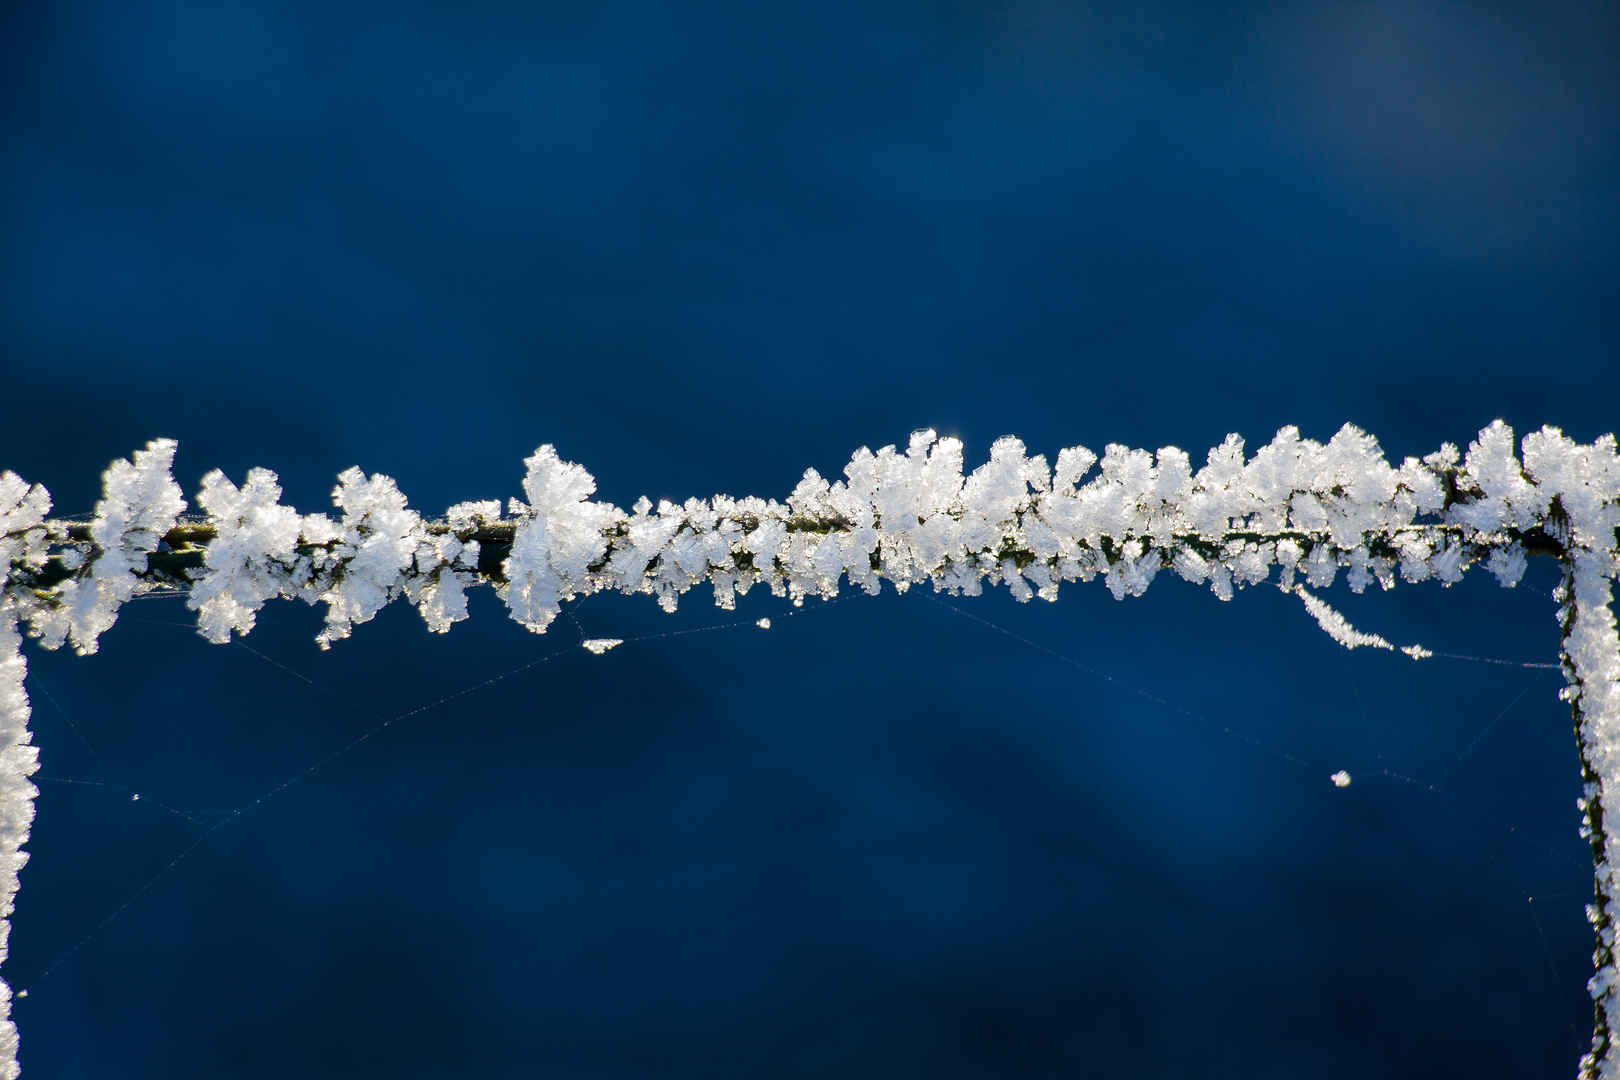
(701, 247)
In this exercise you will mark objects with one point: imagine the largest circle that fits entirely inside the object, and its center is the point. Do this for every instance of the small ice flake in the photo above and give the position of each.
(1336, 626)
(1417, 652)
(763, 624)
(600, 645)
(1340, 779)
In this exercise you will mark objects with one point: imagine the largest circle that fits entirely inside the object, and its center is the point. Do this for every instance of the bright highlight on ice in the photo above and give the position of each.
(1300, 510)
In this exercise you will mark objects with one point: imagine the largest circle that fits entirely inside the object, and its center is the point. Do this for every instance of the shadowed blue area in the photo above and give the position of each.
(701, 248)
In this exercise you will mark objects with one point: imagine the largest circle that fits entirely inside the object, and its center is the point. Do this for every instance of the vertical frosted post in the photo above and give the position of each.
(18, 760)
(1591, 658)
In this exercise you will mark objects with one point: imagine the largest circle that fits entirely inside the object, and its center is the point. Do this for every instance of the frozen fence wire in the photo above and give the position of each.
(1296, 513)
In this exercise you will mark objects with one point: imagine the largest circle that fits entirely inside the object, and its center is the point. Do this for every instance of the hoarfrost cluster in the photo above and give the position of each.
(1296, 513)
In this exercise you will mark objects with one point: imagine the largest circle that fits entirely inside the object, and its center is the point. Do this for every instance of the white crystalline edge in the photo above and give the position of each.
(1307, 508)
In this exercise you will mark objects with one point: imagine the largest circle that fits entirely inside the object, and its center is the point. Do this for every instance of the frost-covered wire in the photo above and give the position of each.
(1297, 508)
(1296, 513)
(1338, 628)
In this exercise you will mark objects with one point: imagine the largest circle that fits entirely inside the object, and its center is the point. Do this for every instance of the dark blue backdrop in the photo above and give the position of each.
(700, 248)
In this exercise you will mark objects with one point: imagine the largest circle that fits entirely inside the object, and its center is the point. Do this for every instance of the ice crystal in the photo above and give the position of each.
(559, 535)
(372, 549)
(248, 560)
(23, 540)
(140, 503)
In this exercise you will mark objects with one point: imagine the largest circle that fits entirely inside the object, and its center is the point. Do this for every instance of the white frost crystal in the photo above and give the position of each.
(23, 507)
(1305, 509)
(1508, 564)
(559, 534)
(250, 557)
(375, 544)
(139, 504)
(445, 566)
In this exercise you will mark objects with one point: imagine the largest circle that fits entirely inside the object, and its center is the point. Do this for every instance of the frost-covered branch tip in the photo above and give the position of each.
(1296, 513)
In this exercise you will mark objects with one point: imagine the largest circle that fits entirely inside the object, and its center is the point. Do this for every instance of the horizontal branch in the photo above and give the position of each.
(182, 551)
(1296, 508)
